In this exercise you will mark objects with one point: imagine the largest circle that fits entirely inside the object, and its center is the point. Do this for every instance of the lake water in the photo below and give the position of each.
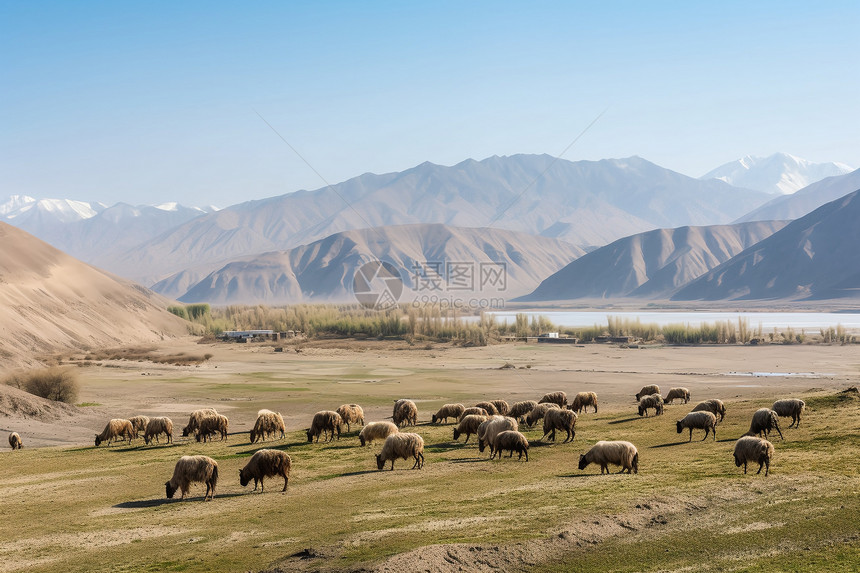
(767, 320)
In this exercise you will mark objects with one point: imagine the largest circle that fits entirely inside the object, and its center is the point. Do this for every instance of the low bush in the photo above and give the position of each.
(57, 384)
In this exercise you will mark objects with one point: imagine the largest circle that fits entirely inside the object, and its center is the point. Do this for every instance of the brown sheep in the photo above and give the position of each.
(714, 406)
(558, 419)
(647, 391)
(520, 409)
(489, 407)
(157, 426)
(512, 441)
(559, 398)
(195, 418)
(538, 413)
(268, 424)
(753, 449)
(263, 464)
(114, 430)
(351, 413)
(325, 422)
(448, 411)
(651, 401)
(679, 393)
(582, 401)
(469, 425)
(472, 412)
(502, 407)
(139, 423)
(212, 425)
(406, 414)
(15, 441)
(401, 445)
(790, 407)
(190, 469)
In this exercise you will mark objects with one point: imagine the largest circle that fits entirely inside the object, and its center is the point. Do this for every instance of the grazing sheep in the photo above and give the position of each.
(469, 425)
(448, 411)
(714, 406)
(325, 422)
(679, 393)
(764, 421)
(15, 441)
(582, 401)
(558, 419)
(209, 426)
(190, 469)
(753, 449)
(401, 445)
(263, 464)
(790, 407)
(488, 430)
(489, 407)
(156, 426)
(647, 391)
(520, 409)
(502, 407)
(139, 423)
(512, 441)
(195, 418)
(351, 413)
(267, 425)
(651, 401)
(114, 430)
(559, 398)
(622, 454)
(699, 420)
(472, 412)
(376, 431)
(538, 412)
(406, 414)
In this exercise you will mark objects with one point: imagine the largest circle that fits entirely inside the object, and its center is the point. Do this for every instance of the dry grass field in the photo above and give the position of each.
(68, 506)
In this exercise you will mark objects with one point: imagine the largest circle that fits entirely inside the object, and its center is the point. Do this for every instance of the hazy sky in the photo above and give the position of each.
(147, 102)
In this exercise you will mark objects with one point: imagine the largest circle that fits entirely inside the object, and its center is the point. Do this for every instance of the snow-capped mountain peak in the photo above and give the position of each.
(780, 173)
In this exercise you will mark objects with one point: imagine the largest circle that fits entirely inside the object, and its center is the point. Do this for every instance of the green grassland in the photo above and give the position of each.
(689, 508)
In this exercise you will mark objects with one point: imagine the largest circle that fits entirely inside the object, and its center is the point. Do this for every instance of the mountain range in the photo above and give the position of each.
(779, 173)
(427, 256)
(650, 265)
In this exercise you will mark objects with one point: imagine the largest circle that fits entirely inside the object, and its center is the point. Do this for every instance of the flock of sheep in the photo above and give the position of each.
(495, 423)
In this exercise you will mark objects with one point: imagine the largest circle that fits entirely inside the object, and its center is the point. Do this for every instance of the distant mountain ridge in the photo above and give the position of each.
(650, 265)
(779, 173)
(812, 258)
(586, 203)
(324, 270)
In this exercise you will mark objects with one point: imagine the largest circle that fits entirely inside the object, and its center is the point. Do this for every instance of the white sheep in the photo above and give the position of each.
(490, 428)
(469, 425)
(268, 424)
(519, 410)
(618, 453)
(512, 441)
(157, 426)
(647, 391)
(401, 445)
(351, 414)
(679, 393)
(790, 407)
(651, 401)
(376, 431)
(714, 406)
(448, 411)
(114, 430)
(211, 425)
(502, 407)
(538, 412)
(195, 418)
(764, 421)
(698, 420)
(406, 414)
(559, 398)
(558, 419)
(15, 441)
(191, 469)
(472, 411)
(266, 463)
(325, 422)
(583, 400)
(755, 450)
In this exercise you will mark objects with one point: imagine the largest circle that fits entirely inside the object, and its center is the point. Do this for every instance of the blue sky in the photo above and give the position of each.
(147, 102)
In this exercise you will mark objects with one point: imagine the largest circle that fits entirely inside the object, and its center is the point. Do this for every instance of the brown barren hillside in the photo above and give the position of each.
(50, 301)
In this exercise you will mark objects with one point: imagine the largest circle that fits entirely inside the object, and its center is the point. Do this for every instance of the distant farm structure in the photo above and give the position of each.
(256, 335)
